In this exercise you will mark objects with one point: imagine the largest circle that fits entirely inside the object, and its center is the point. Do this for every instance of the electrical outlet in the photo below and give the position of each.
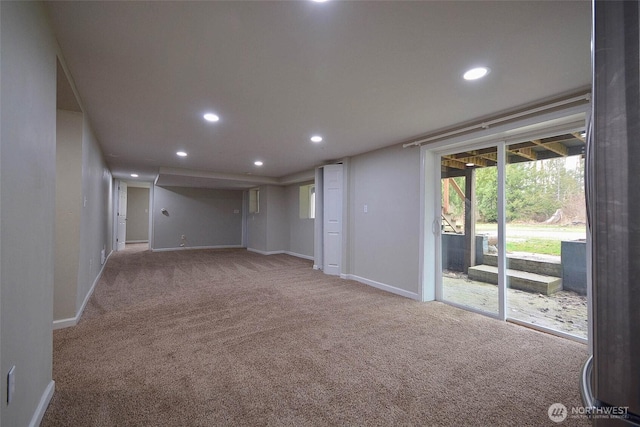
(182, 237)
(366, 208)
(11, 384)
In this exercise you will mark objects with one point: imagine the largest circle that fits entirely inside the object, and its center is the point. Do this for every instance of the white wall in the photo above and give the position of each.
(206, 217)
(27, 208)
(68, 212)
(300, 230)
(383, 244)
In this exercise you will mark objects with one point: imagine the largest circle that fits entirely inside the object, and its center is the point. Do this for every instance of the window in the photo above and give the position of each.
(308, 201)
(254, 200)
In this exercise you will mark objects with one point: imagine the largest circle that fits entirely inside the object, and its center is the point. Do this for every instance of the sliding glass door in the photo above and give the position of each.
(512, 231)
(546, 234)
(469, 231)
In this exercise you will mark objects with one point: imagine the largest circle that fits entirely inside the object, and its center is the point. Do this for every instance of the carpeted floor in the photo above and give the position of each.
(228, 337)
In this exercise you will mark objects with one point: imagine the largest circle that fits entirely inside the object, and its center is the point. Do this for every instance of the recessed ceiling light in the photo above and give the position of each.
(319, 1)
(181, 154)
(476, 73)
(134, 175)
(258, 163)
(210, 117)
(316, 138)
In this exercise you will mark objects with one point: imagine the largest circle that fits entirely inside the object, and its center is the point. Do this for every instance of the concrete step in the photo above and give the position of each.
(523, 280)
(529, 264)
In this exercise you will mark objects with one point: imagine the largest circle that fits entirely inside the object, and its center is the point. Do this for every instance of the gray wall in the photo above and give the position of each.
(383, 244)
(137, 214)
(68, 212)
(277, 230)
(95, 225)
(268, 230)
(27, 205)
(83, 220)
(206, 217)
(301, 231)
(257, 224)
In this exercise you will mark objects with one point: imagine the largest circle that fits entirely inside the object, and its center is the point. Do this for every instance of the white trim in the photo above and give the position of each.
(502, 235)
(472, 309)
(36, 419)
(297, 255)
(547, 330)
(65, 323)
(382, 286)
(135, 241)
(73, 321)
(258, 251)
(196, 248)
(310, 258)
(539, 127)
(531, 114)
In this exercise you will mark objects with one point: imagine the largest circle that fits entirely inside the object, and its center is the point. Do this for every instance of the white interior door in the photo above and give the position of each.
(332, 219)
(122, 216)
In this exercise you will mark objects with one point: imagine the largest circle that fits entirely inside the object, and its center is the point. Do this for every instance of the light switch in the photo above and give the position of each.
(366, 208)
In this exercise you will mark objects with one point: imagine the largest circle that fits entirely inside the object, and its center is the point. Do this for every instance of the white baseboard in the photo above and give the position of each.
(136, 241)
(310, 258)
(258, 251)
(187, 248)
(382, 286)
(73, 321)
(36, 419)
(65, 323)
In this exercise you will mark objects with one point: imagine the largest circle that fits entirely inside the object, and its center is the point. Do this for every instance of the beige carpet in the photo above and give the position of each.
(228, 337)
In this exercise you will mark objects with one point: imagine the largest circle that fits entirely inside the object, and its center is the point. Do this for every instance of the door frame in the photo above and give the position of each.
(538, 126)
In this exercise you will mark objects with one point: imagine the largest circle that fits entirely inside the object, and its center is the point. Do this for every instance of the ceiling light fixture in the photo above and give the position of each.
(316, 138)
(181, 154)
(210, 117)
(258, 163)
(319, 1)
(134, 175)
(476, 73)
(470, 164)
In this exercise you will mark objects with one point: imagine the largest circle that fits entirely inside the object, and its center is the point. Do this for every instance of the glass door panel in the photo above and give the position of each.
(469, 229)
(545, 234)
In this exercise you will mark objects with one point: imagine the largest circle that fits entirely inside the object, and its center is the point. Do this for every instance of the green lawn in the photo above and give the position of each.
(536, 246)
(535, 238)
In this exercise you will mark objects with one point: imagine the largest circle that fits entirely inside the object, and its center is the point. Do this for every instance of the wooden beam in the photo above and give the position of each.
(476, 160)
(555, 147)
(527, 153)
(458, 190)
(579, 136)
(445, 195)
(452, 162)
